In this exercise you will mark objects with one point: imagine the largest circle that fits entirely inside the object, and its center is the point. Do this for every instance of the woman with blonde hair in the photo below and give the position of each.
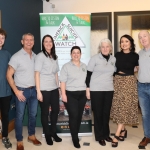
(100, 89)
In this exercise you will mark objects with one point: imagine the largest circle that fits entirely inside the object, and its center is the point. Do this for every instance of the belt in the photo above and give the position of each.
(30, 87)
(144, 83)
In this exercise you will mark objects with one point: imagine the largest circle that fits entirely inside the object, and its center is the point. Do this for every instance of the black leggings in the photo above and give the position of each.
(4, 107)
(50, 98)
(101, 104)
(75, 105)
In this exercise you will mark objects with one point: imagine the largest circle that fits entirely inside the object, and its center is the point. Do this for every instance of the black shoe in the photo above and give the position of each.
(56, 138)
(115, 144)
(102, 142)
(108, 139)
(125, 133)
(76, 143)
(48, 140)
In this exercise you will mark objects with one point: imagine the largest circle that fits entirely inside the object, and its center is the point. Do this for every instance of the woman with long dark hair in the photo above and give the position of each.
(125, 100)
(46, 77)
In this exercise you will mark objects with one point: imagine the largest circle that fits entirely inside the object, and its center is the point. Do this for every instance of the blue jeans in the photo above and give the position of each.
(32, 103)
(144, 100)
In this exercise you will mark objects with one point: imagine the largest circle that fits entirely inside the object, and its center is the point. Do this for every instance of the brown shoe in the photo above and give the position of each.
(32, 139)
(20, 146)
(144, 141)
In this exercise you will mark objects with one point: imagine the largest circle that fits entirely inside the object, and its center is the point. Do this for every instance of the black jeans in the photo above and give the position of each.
(50, 98)
(101, 104)
(75, 105)
(4, 107)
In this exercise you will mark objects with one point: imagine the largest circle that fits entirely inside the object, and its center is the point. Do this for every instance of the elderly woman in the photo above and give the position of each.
(73, 88)
(125, 100)
(100, 89)
(46, 78)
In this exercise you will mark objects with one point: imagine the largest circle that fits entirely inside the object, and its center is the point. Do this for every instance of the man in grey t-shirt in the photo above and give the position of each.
(144, 84)
(21, 65)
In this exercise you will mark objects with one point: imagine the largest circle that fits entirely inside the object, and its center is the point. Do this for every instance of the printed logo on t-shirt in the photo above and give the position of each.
(83, 69)
(112, 63)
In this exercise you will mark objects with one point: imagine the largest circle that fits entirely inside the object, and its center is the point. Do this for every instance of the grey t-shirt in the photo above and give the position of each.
(144, 66)
(48, 67)
(24, 68)
(73, 76)
(102, 76)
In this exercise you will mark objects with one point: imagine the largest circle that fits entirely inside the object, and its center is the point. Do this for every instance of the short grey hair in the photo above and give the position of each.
(27, 34)
(105, 41)
(146, 31)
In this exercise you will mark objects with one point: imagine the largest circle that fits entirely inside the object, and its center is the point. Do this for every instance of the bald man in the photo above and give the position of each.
(144, 84)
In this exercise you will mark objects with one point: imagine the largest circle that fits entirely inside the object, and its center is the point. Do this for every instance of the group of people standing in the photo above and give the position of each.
(111, 86)
(114, 90)
(107, 80)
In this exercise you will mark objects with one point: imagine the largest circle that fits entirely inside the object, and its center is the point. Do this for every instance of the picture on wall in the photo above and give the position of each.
(100, 29)
(130, 23)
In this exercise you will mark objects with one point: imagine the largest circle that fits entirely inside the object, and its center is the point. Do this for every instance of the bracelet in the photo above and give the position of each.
(59, 88)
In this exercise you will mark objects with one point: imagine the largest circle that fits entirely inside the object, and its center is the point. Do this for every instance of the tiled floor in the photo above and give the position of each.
(131, 143)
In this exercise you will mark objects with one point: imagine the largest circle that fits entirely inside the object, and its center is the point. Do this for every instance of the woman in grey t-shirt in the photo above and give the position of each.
(72, 78)
(46, 77)
(100, 89)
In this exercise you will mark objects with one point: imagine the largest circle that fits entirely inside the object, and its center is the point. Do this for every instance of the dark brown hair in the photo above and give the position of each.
(3, 32)
(53, 53)
(75, 47)
(132, 48)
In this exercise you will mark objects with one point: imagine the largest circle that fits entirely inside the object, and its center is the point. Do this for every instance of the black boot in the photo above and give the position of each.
(56, 138)
(48, 139)
(76, 143)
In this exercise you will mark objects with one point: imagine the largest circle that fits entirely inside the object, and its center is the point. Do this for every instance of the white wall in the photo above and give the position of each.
(72, 6)
(96, 5)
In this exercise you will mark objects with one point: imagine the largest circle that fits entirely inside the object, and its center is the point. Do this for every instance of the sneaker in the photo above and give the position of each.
(6, 142)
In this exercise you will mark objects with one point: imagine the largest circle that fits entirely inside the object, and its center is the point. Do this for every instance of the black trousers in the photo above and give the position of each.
(50, 98)
(75, 105)
(4, 107)
(101, 102)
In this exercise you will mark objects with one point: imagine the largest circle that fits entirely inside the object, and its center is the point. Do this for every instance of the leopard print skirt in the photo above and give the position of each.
(124, 108)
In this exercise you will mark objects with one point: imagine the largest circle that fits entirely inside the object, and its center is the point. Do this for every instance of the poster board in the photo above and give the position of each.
(67, 31)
